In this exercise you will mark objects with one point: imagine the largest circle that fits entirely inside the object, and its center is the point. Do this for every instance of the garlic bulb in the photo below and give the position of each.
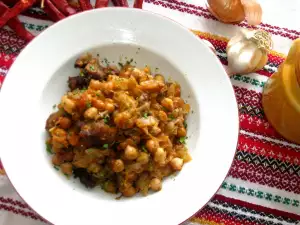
(248, 51)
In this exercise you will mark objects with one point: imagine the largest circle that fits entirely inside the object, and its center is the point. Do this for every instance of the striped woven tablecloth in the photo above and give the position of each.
(263, 186)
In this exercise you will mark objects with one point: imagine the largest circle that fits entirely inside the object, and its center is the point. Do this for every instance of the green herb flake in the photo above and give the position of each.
(54, 106)
(92, 68)
(171, 116)
(83, 90)
(121, 65)
(182, 140)
(156, 70)
(106, 119)
(105, 146)
(48, 148)
(56, 167)
(98, 94)
(106, 61)
(81, 74)
(88, 105)
(185, 124)
(145, 115)
(144, 149)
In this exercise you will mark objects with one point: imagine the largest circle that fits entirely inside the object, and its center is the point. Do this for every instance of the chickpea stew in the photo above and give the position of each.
(119, 128)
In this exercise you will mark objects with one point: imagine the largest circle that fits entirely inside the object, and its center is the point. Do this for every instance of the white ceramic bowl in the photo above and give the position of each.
(38, 79)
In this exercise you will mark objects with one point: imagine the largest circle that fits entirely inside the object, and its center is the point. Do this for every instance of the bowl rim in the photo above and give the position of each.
(158, 15)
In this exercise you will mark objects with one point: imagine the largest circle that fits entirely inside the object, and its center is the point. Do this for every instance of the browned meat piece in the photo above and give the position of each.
(79, 82)
(94, 69)
(53, 118)
(99, 131)
(83, 60)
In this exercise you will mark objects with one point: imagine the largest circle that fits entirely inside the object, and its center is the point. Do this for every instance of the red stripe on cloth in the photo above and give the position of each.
(258, 125)
(181, 8)
(248, 97)
(14, 203)
(265, 176)
(247, 144)
(20, 212)
(258, 208)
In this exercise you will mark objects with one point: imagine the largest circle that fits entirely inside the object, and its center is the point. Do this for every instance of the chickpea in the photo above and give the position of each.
(68, 104)
(155, 184)
(128, 192)
(64, 122)
(57, 160)
(131, 152)
(160, 155)
(108, 86)
(143, 158)
(176, 163)
(94, 168)
(98, 104)
(147, 69)
(160, 78)
(136, 73)
(95, 84)
(118, 166)
(181, 132)
(152, 145)
(91, 113)
(66, 168)
(168, 104)
(162, 116)
(110, 187)
(109, 107)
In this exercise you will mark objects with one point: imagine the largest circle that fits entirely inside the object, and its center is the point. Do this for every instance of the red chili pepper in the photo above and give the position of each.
(64, 7)
(85, 5)
(101, 3)
(52, 11)
(123, 3)
(15, 11)
(138, 4)
(10, 2)
(115, 2)
(16, 25)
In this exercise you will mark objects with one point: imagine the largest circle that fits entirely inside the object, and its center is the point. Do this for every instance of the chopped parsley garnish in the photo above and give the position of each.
(129, 61)
(121, 65)
(83, 90)
(145, 115)
(88, 105)
(105, 146)
(171, 116)
(48, 148)
(56, 167)
(185, 124)
(106, 61)
(81, 74)
(144, 149)
(92, 68)
(182, 140)
(54, 106)
(164, 108)
(98, 94)
(106, 119)
(156, 69)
